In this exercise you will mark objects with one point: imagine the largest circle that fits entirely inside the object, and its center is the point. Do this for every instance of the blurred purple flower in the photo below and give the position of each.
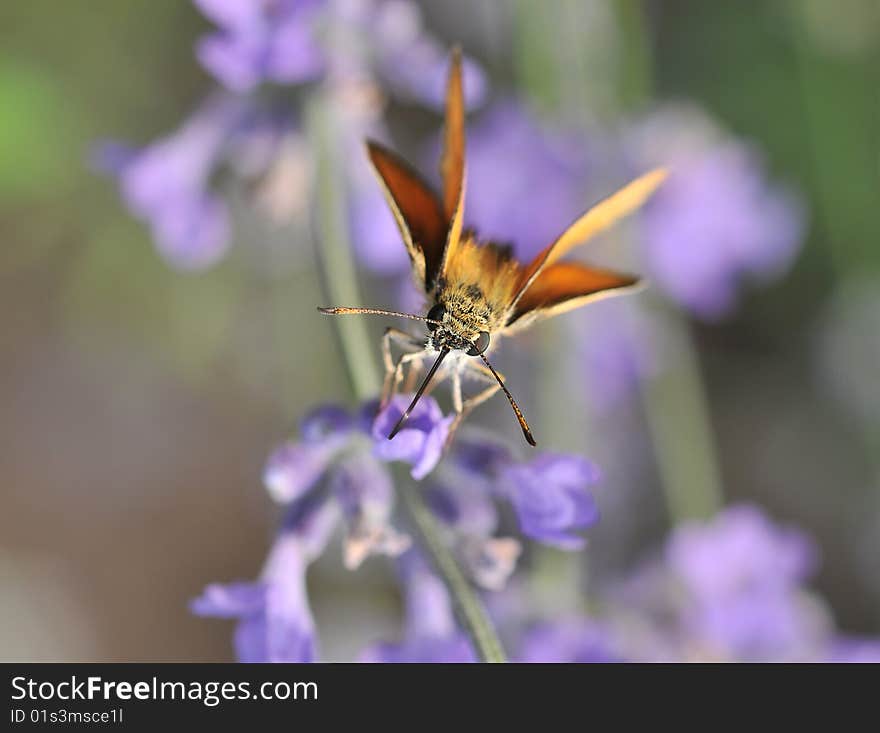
(275, 621)
(739, 551)
(742, 575)
(419, 67)
(618, 345)
(716, 220)
(295, 467)
(261, 40)
(467, 508)
(550, 497)
(167, 184)
(854, 650)
(571, 640)
(728, 589)
(366, 494)
(430, 632)
(294, 41)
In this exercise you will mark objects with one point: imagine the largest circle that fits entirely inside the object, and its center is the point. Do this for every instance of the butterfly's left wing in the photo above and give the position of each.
(417, 212)
(564, 286)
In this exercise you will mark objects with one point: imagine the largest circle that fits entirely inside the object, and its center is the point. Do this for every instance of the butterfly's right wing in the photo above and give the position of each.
(596, 220)
(416, 209)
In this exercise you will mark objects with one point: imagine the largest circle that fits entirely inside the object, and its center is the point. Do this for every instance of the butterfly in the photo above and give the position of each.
(478, 292)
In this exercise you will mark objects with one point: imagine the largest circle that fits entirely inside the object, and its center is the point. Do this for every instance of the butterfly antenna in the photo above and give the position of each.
(519, 416)
(419, 393)
(344, 311)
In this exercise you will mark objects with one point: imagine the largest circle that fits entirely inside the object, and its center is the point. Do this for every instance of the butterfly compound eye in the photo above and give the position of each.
(480, 345)
(435, 314)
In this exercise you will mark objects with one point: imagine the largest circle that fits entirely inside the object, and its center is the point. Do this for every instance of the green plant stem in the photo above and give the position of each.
(468, 608)
(340, 284)
(678, 421)
(340, 278)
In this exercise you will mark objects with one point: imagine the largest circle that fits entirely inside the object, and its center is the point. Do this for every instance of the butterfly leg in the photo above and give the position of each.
(415, 368)
(463, 407)
(394, 368)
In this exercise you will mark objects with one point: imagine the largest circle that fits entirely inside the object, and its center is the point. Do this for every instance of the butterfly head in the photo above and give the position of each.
(457, 329)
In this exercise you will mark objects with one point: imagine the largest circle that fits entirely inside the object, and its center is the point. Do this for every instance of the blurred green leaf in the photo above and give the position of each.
(37, 130)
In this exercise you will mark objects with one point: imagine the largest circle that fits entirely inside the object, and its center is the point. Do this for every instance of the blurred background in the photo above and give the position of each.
(146, 374)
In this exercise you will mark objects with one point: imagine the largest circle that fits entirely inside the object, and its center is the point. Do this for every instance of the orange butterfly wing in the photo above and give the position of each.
(431, 228)
(416, 210)
(563, 286)
(596, 220)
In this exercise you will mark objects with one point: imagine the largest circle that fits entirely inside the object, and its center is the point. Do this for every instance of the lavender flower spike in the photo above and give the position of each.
(275, 621)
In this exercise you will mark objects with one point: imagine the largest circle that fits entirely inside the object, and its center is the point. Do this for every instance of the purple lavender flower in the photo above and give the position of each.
(549, 494)
(295, 467)
(716, 220)
(467, 508)
(430, 632)
(275, 621)
(739, 550)
(262, 40)
(329, 474)
(420, 442)
(364, 489)
(550, 497)
(728, 589)
(335, 449)
(742, 576)
(167, 185)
